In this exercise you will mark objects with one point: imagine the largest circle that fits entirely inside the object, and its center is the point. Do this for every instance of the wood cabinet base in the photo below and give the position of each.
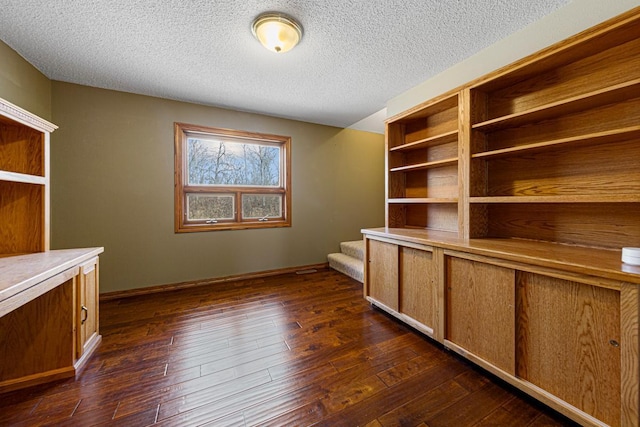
(36, 379)
(89, 349)
(54, 374)
(41, 314)
(564, 334)
(532, 390)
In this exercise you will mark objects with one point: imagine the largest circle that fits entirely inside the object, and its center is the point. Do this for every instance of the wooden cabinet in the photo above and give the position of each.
(481, 310)
(48, 299)
(87, 308)
(382, 273)
(525, 185)
(403, 279)
(560, 340)
(546, 318)
(569, 341)
(39, 316)
(419, 286)
(36, 339)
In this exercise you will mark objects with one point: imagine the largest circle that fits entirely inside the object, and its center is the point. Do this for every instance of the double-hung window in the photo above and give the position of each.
(228, 179)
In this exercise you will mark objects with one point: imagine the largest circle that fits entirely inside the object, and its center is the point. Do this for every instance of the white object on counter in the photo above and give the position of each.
(631, 256)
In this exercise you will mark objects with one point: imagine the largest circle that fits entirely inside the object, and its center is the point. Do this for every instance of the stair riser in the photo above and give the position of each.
(354, 249)
(350, 266)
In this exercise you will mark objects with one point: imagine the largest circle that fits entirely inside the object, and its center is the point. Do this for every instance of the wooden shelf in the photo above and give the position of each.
(426, 165)
(428, 142)
(616, 198)
(594, 138)
(422, 200)
(597, 98)
(554, 57)
(22, 178)
(427, 109)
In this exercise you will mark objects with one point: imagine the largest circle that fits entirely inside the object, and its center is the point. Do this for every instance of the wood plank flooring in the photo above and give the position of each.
(289, 350)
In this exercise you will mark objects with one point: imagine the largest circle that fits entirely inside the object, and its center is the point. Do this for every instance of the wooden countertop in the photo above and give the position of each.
(21, 272)
(596, 262)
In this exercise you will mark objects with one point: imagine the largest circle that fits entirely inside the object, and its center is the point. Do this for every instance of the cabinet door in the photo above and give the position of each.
(88, 316)
(569, 342)
(382, 280)
(418, 286)
(481, 310)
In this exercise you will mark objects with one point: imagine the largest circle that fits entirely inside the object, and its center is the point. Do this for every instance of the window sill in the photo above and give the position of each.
(194, 228)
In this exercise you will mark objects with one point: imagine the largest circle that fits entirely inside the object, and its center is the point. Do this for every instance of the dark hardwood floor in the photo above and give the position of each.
(290, 350)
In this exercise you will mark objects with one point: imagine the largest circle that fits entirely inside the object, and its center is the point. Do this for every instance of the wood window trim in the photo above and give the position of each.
(181, 187)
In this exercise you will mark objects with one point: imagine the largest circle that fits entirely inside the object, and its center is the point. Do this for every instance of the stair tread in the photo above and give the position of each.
(346, 257)
(353, 248)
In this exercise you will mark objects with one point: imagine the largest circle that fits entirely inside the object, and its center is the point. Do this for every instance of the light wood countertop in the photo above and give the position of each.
(21, 272)
(605, 263)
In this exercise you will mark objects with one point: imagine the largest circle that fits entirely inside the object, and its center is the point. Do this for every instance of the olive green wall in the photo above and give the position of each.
(112, 186)
(22, 84)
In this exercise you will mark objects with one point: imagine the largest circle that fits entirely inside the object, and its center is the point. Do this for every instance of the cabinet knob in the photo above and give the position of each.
(85, 312)
(614, 343)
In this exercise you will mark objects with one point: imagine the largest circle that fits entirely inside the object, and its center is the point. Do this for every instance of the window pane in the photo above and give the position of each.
(261, 206)
(218, 162)
(210, 206)
(230, 179)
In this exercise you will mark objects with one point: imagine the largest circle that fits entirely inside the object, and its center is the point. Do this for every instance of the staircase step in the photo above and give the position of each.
(352, 267)
(354, 249)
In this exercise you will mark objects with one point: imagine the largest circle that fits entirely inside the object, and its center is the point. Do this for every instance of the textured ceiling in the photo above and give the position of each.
(355, 55)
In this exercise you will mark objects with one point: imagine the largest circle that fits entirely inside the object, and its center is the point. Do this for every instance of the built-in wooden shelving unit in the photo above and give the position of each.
(422, 164)
(48, 299)
(508, 201)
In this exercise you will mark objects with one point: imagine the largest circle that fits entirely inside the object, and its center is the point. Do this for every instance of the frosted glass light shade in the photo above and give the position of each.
(277, 32)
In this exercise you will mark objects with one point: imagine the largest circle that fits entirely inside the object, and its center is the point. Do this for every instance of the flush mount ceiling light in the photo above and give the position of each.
(276, 31)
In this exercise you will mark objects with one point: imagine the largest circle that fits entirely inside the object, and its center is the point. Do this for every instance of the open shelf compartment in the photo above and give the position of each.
(429, 216)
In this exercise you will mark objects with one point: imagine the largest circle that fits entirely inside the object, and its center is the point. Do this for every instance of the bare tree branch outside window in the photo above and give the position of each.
(215, 163)
(231, 179)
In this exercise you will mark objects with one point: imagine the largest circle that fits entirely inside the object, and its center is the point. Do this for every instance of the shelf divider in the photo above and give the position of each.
(423, 200)
(594, 138)
(600, 198)
(22, 178)
(427, 165)
(428, 142)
